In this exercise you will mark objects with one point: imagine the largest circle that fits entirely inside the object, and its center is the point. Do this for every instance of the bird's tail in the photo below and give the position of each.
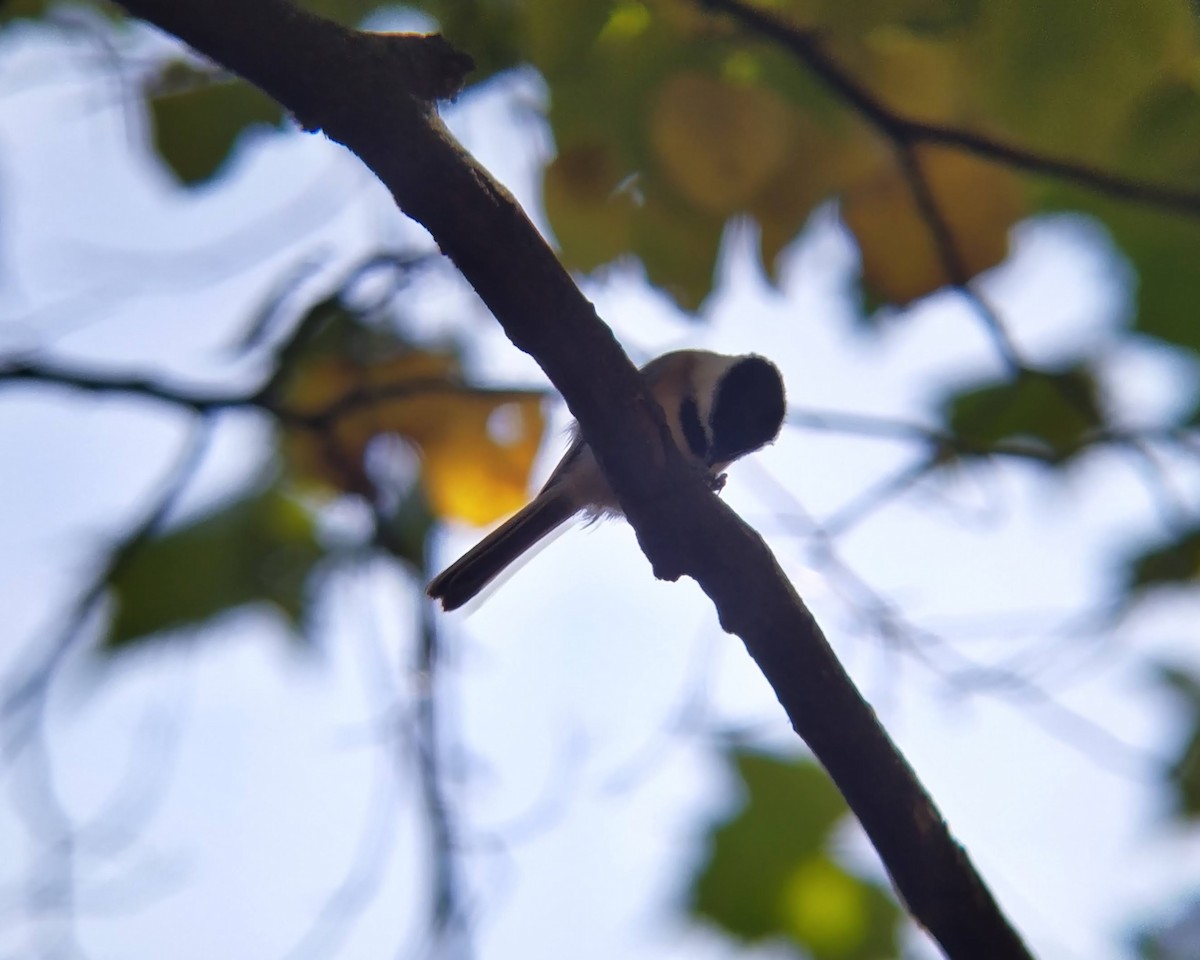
(475, 569)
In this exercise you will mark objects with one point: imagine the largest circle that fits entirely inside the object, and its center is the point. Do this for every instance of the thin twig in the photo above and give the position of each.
(450, 919)
(204, 400)
(24, 739)
(876, 497)
(27, 696)
(960, 674)
(947, 251)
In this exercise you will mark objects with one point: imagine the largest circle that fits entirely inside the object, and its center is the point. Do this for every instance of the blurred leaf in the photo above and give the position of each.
(768, 875)
(1174, 563)
(11, 10)
(719, 143)
(1055, 410)
(554, 42)
(1174, 938)
(918, 73)
(706, 126)
(977, 201)
(23, 9)
(197, 118)
(259, 549)
(1063, 77)
(592, 219)
(476, 446)
(1161, 140)
(405, 532)
(1161, 247)
(346, 12)
(678, 246)
(486, 29)
(1184, 773)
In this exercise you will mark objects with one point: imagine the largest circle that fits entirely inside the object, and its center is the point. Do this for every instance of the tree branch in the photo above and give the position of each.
(371, 94)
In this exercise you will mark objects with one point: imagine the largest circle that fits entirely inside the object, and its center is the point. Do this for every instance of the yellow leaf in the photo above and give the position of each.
(825, 908)
(977, 201)
(718, 143)
(476, 468)
(476, 446)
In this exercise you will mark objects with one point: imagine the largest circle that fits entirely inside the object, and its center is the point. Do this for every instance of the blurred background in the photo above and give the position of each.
(247, 410)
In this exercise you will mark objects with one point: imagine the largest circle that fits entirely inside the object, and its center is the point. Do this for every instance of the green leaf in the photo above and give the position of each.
(1161, 248)
(405, 533)
(197, 119)
(1171, 935)
(1184, 773)
(1162, 139)
(768, 874)
(11, 10)
(486, 29)
(1055, 410)
(262, 548)
(346, 12)
(1176, 562)
(1062, 77)
(23, 9)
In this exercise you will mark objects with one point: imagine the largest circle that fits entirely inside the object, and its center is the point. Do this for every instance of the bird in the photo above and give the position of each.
(718, 408)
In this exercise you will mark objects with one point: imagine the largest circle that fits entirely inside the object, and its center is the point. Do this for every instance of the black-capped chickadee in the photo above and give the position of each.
(717, 407)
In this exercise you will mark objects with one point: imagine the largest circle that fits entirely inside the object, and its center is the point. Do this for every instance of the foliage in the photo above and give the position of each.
(1173, 563)
(260, 548)
(1055, 410)
(671, 119)
(769, 873)
(197, 117)
(344, 383)
(1184, 773)
(347, 384)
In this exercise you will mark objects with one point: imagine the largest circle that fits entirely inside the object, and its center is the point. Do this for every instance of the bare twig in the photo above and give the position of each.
(207, 400)
(450, 913)
(961, 675)
(450, 917)
(53, 894)
(25, 698)
(947, 250)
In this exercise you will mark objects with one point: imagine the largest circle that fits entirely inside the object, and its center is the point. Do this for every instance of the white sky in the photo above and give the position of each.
(580, 804)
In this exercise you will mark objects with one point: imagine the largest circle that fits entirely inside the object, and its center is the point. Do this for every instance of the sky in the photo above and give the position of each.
(246, 798)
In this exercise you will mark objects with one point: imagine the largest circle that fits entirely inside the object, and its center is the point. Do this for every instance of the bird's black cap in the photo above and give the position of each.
(748, 409)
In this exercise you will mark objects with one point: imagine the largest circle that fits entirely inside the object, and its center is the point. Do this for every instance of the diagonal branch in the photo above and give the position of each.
(372, 93)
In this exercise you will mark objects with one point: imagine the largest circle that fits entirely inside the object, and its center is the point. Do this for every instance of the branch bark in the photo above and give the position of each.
(374, 94)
